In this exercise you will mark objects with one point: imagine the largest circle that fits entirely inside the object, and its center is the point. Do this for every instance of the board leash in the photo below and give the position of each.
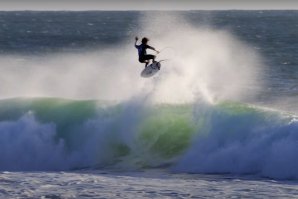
(163, 60)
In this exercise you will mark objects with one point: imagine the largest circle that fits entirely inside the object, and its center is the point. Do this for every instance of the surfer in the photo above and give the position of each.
(143, 56)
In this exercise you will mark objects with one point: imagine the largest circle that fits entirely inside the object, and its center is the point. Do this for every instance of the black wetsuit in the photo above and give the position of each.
(142, 52)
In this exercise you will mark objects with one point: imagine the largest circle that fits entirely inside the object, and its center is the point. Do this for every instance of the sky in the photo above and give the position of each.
(147, 4)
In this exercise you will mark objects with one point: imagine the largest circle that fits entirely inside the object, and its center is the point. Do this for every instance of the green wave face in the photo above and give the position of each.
(167, 130)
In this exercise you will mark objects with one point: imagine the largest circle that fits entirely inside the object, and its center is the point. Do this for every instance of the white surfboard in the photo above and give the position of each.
(151, 69)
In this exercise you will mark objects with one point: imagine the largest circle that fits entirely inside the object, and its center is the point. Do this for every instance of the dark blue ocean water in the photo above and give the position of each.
(43, 32)
(273, 32)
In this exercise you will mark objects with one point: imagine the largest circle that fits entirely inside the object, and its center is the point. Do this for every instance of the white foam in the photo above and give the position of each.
(251, 142)
(29, 145)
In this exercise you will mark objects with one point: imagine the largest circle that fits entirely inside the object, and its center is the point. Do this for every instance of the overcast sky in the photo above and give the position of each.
(146, 4)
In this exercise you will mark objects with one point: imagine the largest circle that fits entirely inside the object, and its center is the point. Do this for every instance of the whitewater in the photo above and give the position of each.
(219, 119)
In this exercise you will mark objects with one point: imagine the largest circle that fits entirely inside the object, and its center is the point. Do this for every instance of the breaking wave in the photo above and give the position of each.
(59, 134)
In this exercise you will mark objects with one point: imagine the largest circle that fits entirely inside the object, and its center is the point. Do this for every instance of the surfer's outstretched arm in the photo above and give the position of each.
(150, 47)
(136, 40)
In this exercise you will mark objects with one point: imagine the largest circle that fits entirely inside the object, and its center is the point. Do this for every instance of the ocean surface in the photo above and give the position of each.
(219, 120)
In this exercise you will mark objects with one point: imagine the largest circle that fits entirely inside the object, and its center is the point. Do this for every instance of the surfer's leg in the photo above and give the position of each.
(149, 57)
(153, 60)
(143, 60)
(146, 63)
(146, 59)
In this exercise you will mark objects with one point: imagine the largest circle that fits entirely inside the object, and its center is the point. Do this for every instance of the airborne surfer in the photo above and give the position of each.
(143, 56)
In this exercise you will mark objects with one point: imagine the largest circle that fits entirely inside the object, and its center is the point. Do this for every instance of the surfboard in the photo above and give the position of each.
(151, 69)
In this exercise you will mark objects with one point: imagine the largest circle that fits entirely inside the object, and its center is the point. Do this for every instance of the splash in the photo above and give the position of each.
(209, 63)
(204, 63)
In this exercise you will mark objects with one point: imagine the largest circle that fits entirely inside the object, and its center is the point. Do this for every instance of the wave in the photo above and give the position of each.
(60, 134)
(55, 134)
(242, 139)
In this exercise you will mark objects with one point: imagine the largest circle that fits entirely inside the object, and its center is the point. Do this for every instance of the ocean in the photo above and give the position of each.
(219, 120)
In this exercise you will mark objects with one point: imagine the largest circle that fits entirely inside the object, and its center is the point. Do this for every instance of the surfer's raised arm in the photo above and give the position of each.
(136, 40)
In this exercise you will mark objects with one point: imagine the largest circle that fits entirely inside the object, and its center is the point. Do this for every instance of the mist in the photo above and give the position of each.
(202, 62)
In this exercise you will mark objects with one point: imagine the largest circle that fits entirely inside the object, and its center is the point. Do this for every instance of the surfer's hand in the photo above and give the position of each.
(137, 38)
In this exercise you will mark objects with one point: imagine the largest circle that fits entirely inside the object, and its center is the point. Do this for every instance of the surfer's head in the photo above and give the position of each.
(145, 40)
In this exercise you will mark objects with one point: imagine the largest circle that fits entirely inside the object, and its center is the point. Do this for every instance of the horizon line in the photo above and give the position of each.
(142, 5)
(87, 10)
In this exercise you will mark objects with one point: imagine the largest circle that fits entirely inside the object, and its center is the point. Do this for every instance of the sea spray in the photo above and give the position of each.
(208, 62)
(205, 62)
